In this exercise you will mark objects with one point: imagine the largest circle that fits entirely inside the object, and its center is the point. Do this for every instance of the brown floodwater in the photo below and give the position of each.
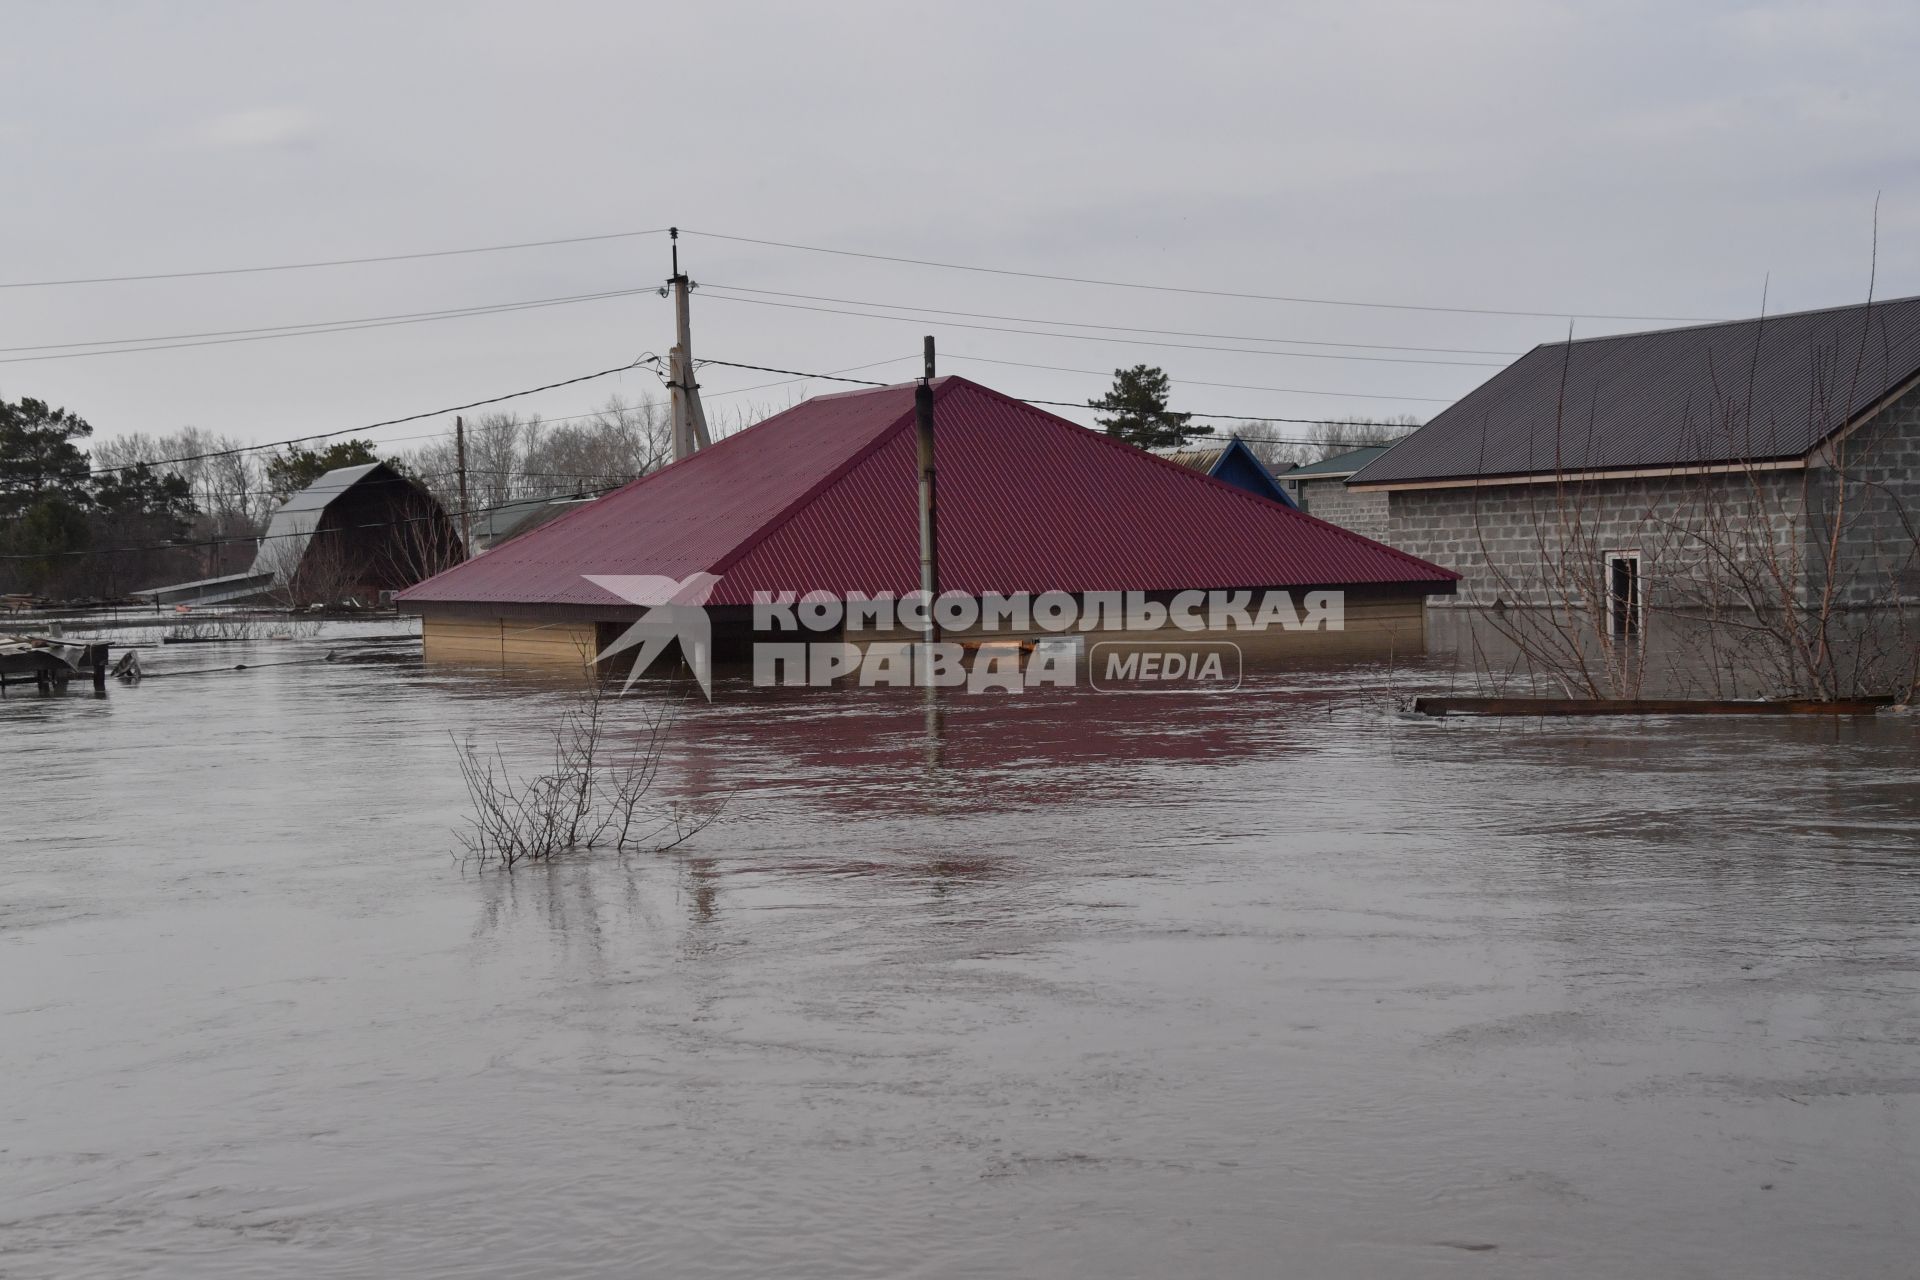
(1080, 985)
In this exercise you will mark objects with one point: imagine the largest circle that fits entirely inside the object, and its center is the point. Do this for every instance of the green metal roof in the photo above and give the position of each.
(1340, 464)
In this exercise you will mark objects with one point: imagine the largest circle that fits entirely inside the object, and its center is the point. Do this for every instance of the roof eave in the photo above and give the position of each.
(1566, 475)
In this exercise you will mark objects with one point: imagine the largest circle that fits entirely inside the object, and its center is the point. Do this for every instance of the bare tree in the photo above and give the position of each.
(308, 572)
(224, 477)
(1320, 440)
(421, 540)
(588, 792)
(620, 443)
(510, 458)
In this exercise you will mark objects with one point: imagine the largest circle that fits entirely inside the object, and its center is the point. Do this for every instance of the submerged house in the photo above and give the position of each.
(1233, 463)
(823, 498)
(356, 533)
(1770, 464)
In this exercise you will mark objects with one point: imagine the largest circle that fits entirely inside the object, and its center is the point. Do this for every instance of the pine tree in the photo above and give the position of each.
(290, 471)
(1137, 409)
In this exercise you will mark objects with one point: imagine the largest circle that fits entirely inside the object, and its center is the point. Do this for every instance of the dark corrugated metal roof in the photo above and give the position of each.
(824, 497)
(1746, 390)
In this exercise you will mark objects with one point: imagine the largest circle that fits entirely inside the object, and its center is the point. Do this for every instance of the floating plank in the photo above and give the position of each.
(1647, 706)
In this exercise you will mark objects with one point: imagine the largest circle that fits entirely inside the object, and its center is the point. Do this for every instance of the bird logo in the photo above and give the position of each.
(676, 610)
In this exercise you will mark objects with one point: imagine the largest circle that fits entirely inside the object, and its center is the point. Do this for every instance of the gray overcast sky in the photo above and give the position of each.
(1646, 159)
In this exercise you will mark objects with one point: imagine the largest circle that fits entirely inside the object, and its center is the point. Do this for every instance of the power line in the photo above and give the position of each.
(796, 374)
(1194, 413)
(303, 330)
(441, 435)
(799, 377)
(161, 462)
(183, 545)
(1196, 382)
(1131, 342)
(793, 374)
(1115, 328)
(419, 478)
(585, 493)
(848, 253)
(333, 262)
(1208, 293)
(1054, 404)
(390, 422)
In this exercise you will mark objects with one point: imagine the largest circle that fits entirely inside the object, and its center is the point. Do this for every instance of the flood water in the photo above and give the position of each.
(1086, 985)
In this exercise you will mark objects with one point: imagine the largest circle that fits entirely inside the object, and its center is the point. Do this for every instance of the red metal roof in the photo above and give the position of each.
(824, 497)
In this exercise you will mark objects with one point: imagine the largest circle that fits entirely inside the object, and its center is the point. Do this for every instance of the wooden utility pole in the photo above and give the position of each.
(688, 417)
(929, 526)
(460, 467)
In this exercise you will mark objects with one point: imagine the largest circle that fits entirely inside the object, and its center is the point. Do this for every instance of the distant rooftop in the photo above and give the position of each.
(1340, 464)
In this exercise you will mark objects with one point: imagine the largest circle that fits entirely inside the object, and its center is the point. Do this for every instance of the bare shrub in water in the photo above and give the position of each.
(592, 792)
(215, 627)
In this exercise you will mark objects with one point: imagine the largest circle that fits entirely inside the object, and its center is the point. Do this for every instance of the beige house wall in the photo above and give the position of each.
(1372, 628)
(508, 642)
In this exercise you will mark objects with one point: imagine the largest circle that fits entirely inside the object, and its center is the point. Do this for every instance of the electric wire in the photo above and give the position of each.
(1092, 337)
(1208, 293)
(447, 435)
(180, 545)
(313, 326)
(849, 253)
(1197, 382)
(392, 422)
(794, 374)
(1054, 404)
(333, 262)
(1115, 328)
(183, 545)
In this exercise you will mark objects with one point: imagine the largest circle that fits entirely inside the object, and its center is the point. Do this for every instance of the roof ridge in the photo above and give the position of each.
(1867, 305)
(785, 516)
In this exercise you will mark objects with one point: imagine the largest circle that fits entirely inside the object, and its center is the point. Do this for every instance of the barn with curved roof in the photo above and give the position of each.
(353, 534)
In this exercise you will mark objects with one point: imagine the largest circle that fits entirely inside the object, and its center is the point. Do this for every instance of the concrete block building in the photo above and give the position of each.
(1677, 468)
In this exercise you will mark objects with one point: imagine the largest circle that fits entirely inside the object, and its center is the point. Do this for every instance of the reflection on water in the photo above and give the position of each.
(1078, 985)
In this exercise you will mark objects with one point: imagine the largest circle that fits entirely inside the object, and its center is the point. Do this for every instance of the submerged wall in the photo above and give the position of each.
(1374, 624)
(1535, 543)
(507, 642)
